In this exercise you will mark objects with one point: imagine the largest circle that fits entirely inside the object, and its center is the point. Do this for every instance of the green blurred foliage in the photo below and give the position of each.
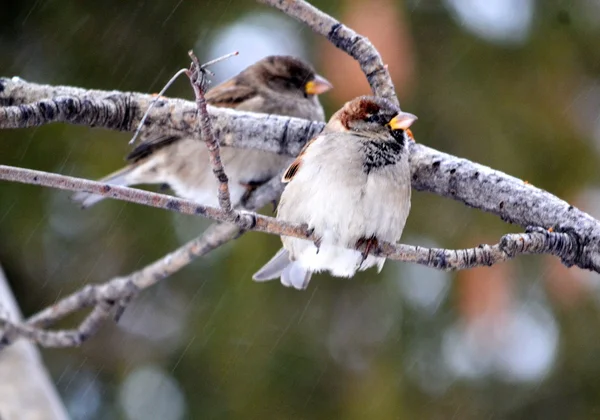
(245, 350)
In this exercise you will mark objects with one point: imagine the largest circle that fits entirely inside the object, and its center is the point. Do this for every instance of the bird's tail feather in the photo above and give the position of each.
(290, 272)
(296, 276)
(116, 178)
(274, 267)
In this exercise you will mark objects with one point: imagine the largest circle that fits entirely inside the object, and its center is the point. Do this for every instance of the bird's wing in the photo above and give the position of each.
(230, 94)
(149, 146)
(294, 167)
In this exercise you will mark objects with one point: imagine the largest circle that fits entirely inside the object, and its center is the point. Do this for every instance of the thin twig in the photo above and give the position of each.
(168, 84)
(257, 222)
(218, 60)
(162, 92)
(244, 219)
(196, 74)
(105, 297)
(475, 185)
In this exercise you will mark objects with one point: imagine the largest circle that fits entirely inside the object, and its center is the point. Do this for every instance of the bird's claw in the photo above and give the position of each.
(317, 243)
(310, 231)
(250, 187)
(370, 244)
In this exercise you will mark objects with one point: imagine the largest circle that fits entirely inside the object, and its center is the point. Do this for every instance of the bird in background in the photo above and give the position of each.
(281, 85)
(351, 186)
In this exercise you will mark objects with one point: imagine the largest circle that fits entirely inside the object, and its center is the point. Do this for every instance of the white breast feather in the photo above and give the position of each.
(343, 204)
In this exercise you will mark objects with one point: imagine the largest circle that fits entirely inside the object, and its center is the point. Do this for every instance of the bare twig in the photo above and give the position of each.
(158, 95)
(476, 185)
(216, 61)
(258, 222)
(243, 219)
(105, 297)
(108, 297)
(565, 245)
(196, 74)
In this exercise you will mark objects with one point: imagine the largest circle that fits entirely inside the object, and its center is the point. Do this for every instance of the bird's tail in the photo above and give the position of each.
(116, 178)
(291, 272)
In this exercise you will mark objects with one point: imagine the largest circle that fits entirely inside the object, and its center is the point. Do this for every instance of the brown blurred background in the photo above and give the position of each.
(513, 84)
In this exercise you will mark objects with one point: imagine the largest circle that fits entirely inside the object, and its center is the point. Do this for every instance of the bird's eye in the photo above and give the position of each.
(371, 118)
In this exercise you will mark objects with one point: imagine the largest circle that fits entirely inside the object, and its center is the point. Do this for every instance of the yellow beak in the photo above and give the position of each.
(402, 121)
(317, 86)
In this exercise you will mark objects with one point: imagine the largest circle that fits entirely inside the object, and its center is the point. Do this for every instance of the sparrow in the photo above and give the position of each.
(350, 186)
(280, 85)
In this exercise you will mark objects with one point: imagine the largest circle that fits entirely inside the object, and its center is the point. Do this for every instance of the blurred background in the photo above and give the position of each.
(513, 84)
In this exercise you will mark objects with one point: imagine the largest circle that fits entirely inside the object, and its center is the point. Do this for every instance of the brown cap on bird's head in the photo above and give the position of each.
(370, 113)
(285, 73)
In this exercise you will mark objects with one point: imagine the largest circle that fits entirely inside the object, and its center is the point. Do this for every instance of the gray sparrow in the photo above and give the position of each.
(351, 186)
(280, 85)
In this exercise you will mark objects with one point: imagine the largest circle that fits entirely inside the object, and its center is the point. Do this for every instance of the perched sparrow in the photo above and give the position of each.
(351, 186)
(280, 85)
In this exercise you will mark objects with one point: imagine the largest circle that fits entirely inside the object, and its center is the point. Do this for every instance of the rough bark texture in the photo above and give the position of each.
(512, 199)
(475, 185)
(26, 391)
(24, 104)
(197, 80)
(569, 246)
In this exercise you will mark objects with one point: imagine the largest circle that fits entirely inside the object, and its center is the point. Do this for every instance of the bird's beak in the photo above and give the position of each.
(317, 86)
(402, 121)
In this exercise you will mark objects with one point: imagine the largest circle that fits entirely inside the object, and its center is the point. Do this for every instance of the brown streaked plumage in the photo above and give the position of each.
(280, 85)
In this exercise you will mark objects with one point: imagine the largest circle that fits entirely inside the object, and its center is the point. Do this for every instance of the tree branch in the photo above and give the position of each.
(258, 222)
(112, 296)
(197, 75)
(575, 239)
(115, 294)
(31, 105)
(344, 38)
(475, 185)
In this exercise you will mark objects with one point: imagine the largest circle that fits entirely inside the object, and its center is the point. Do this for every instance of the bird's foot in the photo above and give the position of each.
(317, 241)
(250, 187)
(370, 244)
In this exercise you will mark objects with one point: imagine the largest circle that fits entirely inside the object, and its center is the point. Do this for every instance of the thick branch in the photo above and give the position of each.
(32, 105)
(252, 221)
(476, 185)
(356, 45)
(512, 199)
